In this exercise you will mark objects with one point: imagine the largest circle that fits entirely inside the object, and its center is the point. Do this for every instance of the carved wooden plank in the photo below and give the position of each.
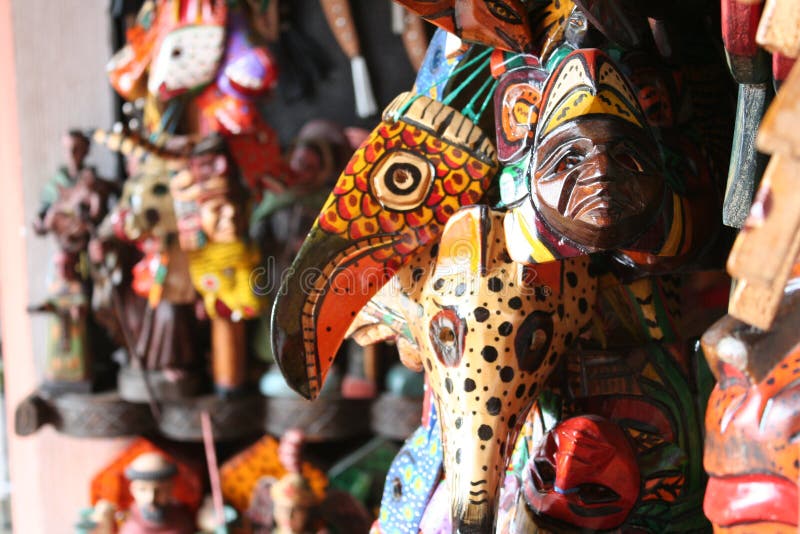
(765, 251)
(779, 30)
(779, 132)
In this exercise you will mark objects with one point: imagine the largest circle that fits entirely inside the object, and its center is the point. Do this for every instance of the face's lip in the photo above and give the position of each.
(740, 499)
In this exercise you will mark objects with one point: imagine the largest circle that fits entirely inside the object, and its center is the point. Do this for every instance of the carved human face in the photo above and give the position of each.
(584, 473)
(291, 518)
(76, 148)
(598, 181)
(752, 424)
(151, 497)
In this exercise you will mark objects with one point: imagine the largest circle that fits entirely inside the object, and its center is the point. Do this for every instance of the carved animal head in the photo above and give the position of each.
(488, 332)
(146, 207)
(395, 195)
(502, 24)
(175, 45)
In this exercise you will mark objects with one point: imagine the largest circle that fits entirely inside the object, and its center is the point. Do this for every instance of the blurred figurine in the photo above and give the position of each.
(154, 511)
(211, 207)
(74, 202)
(154, 305)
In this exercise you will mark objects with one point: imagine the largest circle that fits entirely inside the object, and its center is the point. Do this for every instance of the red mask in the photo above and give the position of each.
(584, 473)
(753, 418)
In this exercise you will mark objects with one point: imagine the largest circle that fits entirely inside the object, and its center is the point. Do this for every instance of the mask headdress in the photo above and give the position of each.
(587, 83)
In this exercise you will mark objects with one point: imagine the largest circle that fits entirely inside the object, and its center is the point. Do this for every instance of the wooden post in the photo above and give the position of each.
(228, 354)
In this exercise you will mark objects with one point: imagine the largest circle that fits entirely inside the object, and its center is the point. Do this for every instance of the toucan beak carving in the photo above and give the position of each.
(417, 168)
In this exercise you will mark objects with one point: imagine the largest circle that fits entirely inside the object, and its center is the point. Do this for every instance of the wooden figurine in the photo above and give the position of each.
(272, 485)
(73, 204)
(154, 511)
(147, 492)
(155, 312)
(212, 220)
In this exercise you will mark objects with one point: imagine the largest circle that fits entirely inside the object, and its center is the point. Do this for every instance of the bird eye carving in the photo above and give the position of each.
(402, 180)
(503, 11)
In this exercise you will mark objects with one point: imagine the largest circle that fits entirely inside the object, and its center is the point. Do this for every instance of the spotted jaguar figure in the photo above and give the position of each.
(488, 332)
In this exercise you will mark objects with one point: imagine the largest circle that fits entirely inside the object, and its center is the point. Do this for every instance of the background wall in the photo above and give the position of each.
(59, 49)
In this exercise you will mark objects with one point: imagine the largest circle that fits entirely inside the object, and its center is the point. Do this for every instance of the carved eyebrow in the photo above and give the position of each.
(560, 152)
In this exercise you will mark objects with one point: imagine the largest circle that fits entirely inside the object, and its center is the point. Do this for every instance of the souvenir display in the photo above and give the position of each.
(501, 310)
(604, 193)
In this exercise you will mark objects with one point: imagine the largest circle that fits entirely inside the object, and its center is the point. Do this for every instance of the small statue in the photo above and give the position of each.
(154, 304)
(154, 511)
(74, 202)
(212, 211)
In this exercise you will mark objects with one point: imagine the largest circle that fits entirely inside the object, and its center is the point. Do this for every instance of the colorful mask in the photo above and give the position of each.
(752, 423)
(597, 180)
(397, 192)
(498, 23)
(584, 473)
(189, 30)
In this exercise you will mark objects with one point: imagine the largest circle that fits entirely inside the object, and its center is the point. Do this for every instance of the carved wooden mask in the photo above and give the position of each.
(395, 195)
(596, 178)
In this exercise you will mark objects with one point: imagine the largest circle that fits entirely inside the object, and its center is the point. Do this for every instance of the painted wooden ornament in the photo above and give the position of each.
(73, 204)
(488, 332)
(590, 126)
(765, 251)
(423, 162)
(212, 222)
(501, 24)
(248, 73)
(160, 55)
(340, 20)
(113, 487)
(751, 420)
(154, 308)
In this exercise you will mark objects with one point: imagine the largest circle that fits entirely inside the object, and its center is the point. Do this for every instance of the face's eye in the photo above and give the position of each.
(503, 11)
(569, 162)
(160, 190)
(402, 180)
(628, 159)
(397, 489)
(597, 494)
(447, 337)
(533, 340)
